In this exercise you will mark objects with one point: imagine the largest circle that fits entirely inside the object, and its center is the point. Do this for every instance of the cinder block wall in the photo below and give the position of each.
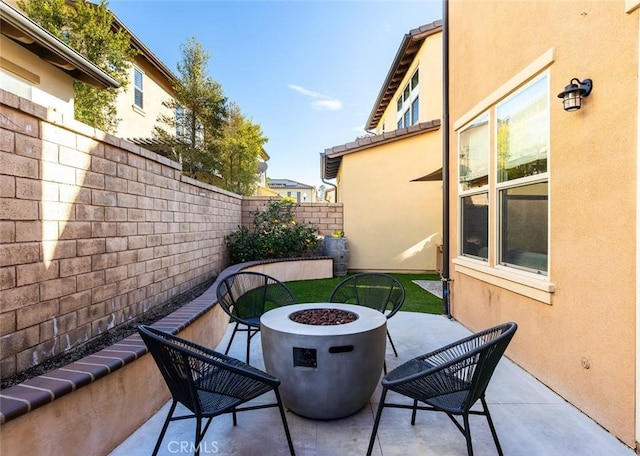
(328, 217)
(93, 231)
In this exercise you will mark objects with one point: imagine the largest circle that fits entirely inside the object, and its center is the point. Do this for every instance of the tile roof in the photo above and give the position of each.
(286, 183)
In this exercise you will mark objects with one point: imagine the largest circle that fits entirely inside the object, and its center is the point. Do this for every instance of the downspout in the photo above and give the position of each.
(446, 310)
(335, 187)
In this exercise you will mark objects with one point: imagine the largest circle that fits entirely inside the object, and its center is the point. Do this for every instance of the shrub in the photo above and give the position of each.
(275, 234)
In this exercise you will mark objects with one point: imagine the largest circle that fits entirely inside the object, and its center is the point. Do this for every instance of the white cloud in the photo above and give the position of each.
(320, 102)
(330, 105)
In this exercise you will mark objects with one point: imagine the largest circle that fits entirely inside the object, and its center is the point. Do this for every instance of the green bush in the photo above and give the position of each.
(275, 234)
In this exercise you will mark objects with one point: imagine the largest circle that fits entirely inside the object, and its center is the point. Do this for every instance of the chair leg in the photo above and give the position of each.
(377, 421)
(414, 411)
(491, 426)
(284, 422)
(196, 451)
(164, 427)
(248, 343)
(392, 345)
(467, 434)
(233, 334)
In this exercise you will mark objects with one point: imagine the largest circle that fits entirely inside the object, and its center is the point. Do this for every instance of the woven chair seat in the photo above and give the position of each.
(245, 296)
(375, 290)
(450, 379)
(207, 383)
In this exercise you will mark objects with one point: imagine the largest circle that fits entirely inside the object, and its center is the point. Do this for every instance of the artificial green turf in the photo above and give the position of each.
(416, 298)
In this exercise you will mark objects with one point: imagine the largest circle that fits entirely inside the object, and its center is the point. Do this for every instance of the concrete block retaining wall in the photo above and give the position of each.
(92, 405)
(95, 230)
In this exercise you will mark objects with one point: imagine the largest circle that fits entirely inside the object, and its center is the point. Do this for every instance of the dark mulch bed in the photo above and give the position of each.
(109, 338)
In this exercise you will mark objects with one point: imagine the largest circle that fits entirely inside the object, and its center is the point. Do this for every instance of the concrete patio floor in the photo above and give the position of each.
(530, 419)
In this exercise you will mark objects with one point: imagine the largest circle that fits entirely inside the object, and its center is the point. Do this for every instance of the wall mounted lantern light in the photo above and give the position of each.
(573, 94)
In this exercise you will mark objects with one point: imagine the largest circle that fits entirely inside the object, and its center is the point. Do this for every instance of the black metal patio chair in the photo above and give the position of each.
(376, 290)
(207, 383)
(450, 380)
(245, 296)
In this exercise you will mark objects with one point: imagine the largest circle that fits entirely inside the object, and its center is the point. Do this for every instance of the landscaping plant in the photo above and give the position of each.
(275, 234)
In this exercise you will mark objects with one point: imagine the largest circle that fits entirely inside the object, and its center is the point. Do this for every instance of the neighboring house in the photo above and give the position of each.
(392, 222)
(544, 202)
(37, 66)
(302, 193)
(262, 188)
(140, 104)
(45, 76)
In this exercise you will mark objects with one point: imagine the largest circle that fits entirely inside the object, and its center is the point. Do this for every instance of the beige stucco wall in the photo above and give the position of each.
(49, 86)
(98, 417)
(393, 224)
(428, 59)
(136, 122)
(589, 315)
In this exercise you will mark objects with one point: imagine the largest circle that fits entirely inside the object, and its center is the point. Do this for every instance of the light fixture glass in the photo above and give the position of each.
(573, 93)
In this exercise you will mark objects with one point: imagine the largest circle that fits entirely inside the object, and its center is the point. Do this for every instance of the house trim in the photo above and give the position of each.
(539, 290)
(19, 71)
(636, 3)
(520, 78)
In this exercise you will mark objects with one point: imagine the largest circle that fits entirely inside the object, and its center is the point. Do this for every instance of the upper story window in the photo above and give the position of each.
(181, 131)
(407, 106)
(138, 88)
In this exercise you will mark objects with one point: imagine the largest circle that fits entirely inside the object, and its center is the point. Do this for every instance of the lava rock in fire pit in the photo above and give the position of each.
(323, 317)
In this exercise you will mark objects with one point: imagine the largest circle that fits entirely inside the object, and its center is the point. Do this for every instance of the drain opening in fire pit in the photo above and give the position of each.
(323, 317)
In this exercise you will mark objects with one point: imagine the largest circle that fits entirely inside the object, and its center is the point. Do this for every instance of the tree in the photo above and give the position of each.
(239, 150)
(87, 28)
(198, 112)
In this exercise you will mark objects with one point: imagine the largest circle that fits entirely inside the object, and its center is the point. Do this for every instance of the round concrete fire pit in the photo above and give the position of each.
(330, 365)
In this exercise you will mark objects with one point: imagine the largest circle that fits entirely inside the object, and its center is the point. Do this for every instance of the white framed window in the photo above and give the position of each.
(138, 88)
(522, 180)
(473, 188)
(407, 106)
(181, 118)
(508, 190)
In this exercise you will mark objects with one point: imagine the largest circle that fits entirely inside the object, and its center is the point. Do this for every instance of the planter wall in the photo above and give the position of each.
(91, 406)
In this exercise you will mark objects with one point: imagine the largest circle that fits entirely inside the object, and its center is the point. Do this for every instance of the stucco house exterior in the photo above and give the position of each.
(38, 67)
(376, 175)
(544, 202)
(302, 193)
(139, 105)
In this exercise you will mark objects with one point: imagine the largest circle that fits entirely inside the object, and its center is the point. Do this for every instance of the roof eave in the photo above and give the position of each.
(398, 69)
(54, 51)
(139, 46)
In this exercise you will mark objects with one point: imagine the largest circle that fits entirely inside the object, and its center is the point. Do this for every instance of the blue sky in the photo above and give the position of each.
(308, 72)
